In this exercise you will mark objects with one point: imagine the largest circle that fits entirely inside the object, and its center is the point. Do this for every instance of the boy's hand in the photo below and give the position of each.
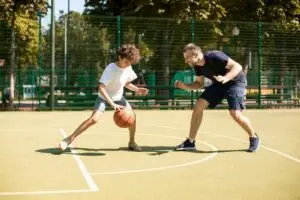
(179, 84)
(117, 107)
(142, 91)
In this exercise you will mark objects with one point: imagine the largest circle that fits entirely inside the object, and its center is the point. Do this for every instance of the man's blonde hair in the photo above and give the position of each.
(193, 48)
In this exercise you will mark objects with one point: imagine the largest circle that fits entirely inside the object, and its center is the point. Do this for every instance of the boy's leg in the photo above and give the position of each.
(132, 132)
(86, 124)
(132, 145)
(80, 129)
(132, 129)
(99, 109)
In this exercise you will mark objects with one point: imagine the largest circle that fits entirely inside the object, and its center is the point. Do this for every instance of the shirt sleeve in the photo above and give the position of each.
(198, 72)
(106, 76)
(132, 75)
(219, 58)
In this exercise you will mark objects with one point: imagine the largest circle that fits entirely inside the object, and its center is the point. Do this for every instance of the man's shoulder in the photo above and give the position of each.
(216, 55)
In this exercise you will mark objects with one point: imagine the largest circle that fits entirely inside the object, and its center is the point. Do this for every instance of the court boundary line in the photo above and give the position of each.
(92, 185)
(234, 138)
(165, 167)
(44, 192)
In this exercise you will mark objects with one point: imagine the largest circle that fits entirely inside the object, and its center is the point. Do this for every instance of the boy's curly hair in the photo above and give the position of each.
(130, 52)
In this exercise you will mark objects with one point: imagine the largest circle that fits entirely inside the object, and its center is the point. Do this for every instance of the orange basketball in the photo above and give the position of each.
(124, 118)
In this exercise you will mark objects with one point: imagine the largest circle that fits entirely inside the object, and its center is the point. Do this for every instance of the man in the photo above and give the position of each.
(229, 82)
(115, 77)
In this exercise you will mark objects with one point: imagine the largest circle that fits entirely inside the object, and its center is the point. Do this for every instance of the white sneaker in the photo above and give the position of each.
(63, 145)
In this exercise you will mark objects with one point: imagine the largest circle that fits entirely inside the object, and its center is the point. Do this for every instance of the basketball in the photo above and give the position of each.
(124, 118)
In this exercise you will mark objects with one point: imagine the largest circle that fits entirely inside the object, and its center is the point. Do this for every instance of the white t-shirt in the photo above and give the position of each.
(115, 78)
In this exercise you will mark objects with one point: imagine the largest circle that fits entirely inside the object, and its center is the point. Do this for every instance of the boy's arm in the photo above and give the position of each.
(132, 87)
(104, 93)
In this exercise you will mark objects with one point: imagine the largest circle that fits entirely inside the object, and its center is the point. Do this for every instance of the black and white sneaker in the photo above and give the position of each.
(186, 146)
(254, 144)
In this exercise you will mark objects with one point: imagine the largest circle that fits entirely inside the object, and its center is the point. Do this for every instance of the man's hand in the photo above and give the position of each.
(179, 84)
(142, 91)
(221, 79)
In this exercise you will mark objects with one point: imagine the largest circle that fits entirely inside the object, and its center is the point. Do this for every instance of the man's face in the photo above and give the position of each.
(190, 59)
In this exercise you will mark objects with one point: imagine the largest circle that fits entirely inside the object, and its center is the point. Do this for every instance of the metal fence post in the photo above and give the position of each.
(259, 61)
(118, 31)
(193, 40)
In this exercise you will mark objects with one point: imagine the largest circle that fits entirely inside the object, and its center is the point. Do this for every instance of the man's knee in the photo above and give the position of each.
(235, 114)
(201, 104)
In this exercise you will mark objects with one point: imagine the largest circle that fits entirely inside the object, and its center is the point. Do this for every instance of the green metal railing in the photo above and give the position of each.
(270, 52)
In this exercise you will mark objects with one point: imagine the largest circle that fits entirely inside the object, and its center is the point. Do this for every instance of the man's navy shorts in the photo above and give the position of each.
(234, 94)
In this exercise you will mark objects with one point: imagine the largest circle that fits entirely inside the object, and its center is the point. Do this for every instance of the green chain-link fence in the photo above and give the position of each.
(85, 45)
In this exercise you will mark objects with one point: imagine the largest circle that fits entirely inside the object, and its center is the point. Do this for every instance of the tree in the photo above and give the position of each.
(179, 10)
(21, 17)
(88, 50)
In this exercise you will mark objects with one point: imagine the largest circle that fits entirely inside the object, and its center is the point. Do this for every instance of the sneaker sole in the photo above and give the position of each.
(133, 149)
(186, 149)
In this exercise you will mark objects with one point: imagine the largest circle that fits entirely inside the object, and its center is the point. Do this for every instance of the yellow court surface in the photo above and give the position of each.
(99, 166)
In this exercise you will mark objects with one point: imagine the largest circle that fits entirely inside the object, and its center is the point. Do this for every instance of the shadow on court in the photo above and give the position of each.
(221, 151)
(57, 151)
(152, 150)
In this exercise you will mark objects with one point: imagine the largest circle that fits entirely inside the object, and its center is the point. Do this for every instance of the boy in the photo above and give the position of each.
(115, 77)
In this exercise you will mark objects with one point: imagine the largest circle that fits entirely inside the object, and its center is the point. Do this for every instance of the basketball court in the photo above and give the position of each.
(99, 166)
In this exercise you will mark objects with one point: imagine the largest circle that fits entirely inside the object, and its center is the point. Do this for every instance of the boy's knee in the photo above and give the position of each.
(93, 120)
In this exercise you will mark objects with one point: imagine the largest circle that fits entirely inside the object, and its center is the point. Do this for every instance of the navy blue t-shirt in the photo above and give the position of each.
(215, 64)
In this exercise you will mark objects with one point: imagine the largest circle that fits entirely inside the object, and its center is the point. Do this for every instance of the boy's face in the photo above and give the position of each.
(124, 63)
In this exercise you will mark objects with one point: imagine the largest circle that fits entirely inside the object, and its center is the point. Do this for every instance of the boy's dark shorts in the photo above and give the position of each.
(234, 94)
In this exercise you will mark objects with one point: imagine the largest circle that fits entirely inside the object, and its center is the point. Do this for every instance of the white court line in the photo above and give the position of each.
(165, 167)
(87, 177)
(43, 192)
(92, 186)
(234, 138)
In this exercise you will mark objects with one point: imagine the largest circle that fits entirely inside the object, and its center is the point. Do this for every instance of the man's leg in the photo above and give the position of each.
(81, 128)
(236, 104)
(196, 119)
(189, 143)
(243, 121)
(246, 125)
